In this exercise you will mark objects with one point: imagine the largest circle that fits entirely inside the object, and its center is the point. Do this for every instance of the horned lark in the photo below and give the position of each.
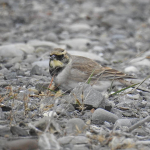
(68, 70)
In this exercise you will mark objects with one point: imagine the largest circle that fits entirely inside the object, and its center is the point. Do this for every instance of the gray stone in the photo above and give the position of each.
(11, 75)
(100, 116)
(79, 26)
(36, 70)
(18, 131)
(80, 147)
(88, 55)
(90, 96)
(75, 126)
(65, 140)
(43, 63)
(42, 124)
(50, 37)
(14, 50)
(76, 43)
(2, 116)
(131, 69)
(80, 140)
(62, 109)
(38, 43)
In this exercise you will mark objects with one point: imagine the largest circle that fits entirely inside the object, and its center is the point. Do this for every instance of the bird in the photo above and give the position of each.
(68, 70)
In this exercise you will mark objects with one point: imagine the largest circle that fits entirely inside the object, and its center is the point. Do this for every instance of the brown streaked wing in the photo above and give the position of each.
(114, 74)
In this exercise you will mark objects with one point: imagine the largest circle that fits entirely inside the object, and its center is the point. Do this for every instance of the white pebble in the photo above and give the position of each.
(130, 69)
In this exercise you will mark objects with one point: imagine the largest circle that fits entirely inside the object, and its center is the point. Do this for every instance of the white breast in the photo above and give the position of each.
(63, 75)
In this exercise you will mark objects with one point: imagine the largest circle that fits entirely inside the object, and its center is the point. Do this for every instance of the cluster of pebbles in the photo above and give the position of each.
(114, 33)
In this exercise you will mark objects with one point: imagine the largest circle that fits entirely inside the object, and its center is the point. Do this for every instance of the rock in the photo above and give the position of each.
(48, 141)
(88, 55)
(43, 63)
(123, 54)
(4, 131)
(65, 140)
(76, 43)
(49, 114)
(131, 69)
(14, 50)
(63, 109)
(18, 131)
(112, 20)
(37, 43)
(79, 26)
(23, 144)
(80, 140)
(98, 49)
(80, 147)
(42, 86)
(144, 62)
(42, 124)
(11, 75)
(125, 122)
(36, 70)
(100, 116)
(50, 37)
(75, 126)
(2, 116)
(90, 96)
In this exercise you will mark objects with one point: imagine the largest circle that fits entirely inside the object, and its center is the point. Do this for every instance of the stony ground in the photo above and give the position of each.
(114, 33)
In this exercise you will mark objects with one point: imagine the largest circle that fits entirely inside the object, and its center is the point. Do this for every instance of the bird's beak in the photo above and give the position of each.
(52, 57)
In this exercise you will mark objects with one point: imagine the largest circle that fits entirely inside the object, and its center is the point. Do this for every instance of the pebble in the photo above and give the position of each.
(43, 63)
(36, 70)
(18, 131)
(88, 55)
(90, 96)
(38, 43)
(14, 50)
(76, 43)
(75, 126)
(131, 69)
(23, 144)
(100, 116)
(79, 27)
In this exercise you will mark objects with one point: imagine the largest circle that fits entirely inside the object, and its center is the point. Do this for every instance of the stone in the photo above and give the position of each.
(80, 147)
(100, 116)
(75, 126)
(90, 96)
(11, 75)
(131, 69)
(76, 43)
(43, 63)
(18, 131)
(79, 26)
(14, 50)
(36, 70)
(88, 55)
(38, 43)
(24, 144)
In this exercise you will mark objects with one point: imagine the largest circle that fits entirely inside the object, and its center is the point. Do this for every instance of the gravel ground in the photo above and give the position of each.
(114, 33)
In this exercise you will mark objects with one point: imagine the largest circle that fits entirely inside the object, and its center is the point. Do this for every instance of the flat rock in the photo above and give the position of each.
(87, 95)
(13, 50)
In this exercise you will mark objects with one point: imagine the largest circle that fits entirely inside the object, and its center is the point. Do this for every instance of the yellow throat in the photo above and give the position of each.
(56, 63)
